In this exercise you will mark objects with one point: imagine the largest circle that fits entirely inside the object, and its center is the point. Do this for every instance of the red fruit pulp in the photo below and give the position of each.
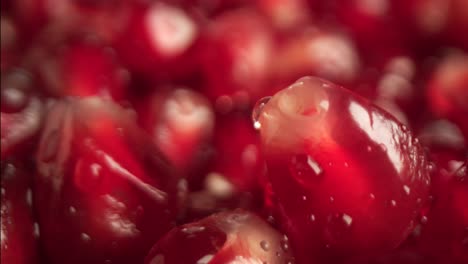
(230, 237)
(103, 191)
(348, 178)
(18, 238)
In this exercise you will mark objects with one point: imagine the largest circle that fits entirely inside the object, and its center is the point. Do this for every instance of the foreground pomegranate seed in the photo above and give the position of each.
(21, 112)
(447, 91)
(230, 237)
(104, 193)
(236, 48)
(18, 240)
(349, 179)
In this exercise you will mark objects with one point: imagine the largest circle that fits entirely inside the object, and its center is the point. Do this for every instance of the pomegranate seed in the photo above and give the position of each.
(18, 238)
(21, 112)
(158, 36)
(103, 191)
(181, 123)
(230, 237)
(349, 179)
(238, 156)
(445, 238)
(235, 52)
(82, 68)
(325, 54)
(447, 93)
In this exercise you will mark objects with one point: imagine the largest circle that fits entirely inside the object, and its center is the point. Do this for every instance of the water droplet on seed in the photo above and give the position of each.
(257, 111)
(264, 245)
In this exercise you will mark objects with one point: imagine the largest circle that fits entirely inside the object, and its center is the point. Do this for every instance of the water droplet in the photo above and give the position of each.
(407, 189)
(305, 169)
(393, 203)
(29, 197)
(37, 231)
(372, 196)
(85, 237)
(337, 227)
(312, 217)
(332, 199)
(72, 210)
(304, 198)
(383, 147)
(257, 111)
(193, 229)
(347, 219)
(284, 245)
(265, 245)
(369, 148)
(424, 220)
(346, 164)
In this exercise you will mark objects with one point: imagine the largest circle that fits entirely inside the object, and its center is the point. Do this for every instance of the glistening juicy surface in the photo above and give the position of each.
(348, 179)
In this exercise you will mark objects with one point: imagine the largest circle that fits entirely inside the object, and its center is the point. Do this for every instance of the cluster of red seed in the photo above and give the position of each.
(127, 132)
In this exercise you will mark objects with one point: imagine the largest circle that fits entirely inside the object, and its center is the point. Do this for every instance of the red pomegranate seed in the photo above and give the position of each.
(104, 193)
(444, 237)
(83, 68)
(158, 39)
(238, 157)
(235, 51)
(285, 15)
(18, 237)
(447, 91)
(181, 123)
(349, 179)
(230, 237)
(325, 54)
(21, 112)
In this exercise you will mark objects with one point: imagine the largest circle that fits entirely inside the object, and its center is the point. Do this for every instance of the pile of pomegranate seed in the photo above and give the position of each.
(234, 132)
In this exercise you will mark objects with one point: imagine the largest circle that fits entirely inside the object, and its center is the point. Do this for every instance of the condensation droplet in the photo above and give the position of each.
(37, 231)
(85, 237)
(284, 245)
(305, 169)
(383, 147)
(72, 210)
(369, 148)
(193, 229)
(407, 189)
(393, 203)
(372, 196)
(265, 245)
(332, 199)
(257, 111)
(312, 217)
(347, 219)
(424, 220)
